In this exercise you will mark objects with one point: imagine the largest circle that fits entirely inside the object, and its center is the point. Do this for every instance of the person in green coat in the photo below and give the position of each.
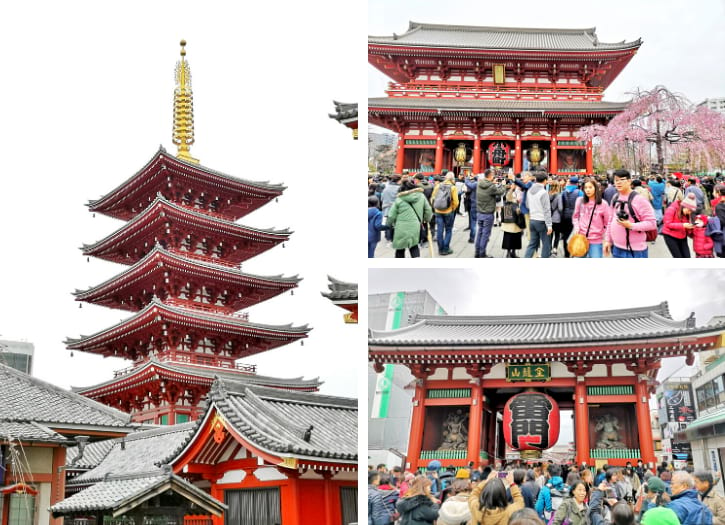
(405, 216)
(573, 508)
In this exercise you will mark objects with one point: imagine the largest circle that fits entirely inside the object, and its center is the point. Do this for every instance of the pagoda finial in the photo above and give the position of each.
(183, 135)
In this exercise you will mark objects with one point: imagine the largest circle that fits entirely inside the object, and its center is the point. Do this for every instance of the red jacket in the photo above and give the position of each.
(701, 243)
(672, 223)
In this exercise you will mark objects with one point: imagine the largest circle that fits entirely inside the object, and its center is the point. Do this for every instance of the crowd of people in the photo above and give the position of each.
(543, 494)
(593, 217)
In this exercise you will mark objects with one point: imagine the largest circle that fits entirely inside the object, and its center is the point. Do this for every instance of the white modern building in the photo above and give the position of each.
(716, 104)
(17, 355)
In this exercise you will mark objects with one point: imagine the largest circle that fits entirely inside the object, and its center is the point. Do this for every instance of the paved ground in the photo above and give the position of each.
(462, 248)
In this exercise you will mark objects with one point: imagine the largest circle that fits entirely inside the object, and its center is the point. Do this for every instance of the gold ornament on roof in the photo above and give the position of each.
(183, 135)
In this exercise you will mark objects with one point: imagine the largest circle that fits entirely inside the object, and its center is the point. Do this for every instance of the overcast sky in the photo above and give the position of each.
(87, 92)
(682, 42)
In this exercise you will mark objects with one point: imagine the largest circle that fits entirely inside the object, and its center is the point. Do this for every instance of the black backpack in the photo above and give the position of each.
(650, 235)
(568, 203)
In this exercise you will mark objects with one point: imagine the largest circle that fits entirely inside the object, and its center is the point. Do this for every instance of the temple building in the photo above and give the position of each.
(466, 98)
(482, 383)
(183, 284)
(343, 295)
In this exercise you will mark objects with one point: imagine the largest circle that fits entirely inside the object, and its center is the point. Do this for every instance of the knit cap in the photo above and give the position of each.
(463, 473)
(690, 202)
(660, 516)
(434, 465)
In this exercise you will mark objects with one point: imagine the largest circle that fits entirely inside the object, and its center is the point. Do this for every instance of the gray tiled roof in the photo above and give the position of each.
(344, 112)
(28, 431)
(340, 290)
(613, 325)
(129, 491)
(139, 452)
(276, 421)
(93, 454)
(481, 37)
(485, 105)
(24, 398)
(212, 372)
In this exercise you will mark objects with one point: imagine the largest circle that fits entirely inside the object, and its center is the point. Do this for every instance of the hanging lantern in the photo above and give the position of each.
(499, 154)
(460, 153)
(531, 421)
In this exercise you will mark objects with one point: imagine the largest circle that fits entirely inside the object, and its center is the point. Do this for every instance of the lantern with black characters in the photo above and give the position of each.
(531, 421)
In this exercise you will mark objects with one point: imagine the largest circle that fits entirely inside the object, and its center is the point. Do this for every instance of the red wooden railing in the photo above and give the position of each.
(197, 520)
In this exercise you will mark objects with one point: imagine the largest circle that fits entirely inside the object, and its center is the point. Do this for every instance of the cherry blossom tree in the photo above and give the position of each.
(668, 121)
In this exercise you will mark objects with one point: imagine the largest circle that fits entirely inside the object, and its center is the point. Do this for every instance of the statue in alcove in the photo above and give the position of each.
(455, 431)
(609, 437)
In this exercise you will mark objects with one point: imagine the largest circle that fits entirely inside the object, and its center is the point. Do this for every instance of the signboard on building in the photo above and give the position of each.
(678, 405)
(528, 372)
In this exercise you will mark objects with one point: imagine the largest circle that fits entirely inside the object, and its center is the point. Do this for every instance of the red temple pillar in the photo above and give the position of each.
(57, 484)
(217, 493)
(491, 436)
(439, 154)
(401, 154)
(646, 443)
(581, 422)
(476, 156)
(590, 159)
(416, 425)
(518, 160)
(553, 160)
(474, 425)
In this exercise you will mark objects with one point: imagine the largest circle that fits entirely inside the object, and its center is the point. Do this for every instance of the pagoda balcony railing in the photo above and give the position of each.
(485, 90)
(191, 359)
(204, 258)
(204, 307)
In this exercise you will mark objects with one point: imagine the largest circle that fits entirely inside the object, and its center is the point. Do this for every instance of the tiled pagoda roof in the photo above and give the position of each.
(566, 329)
(341, 291)
(150, 225)
(119, 494)
(509, 38)
(155, 177)
(139, 452)
(155, 266)
(158, 313)
(203, 375)
(93, 454)
(38, 411)
(517, 107)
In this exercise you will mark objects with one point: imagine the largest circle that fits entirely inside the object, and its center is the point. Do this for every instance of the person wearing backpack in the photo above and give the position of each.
(552, 494)
(567, 203)
(573, 509)
(445, 204)
(632, 217)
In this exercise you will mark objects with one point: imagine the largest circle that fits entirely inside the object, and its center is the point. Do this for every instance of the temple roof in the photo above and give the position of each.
(161, 212)
(154, 177)
(277, 421)
(483, 37)
(344, 112)
(162, 261)
(157, 312)
(642, 323)
(524, 107)
(93, 454)
(207, 373)
(139, 452)
(340, 290)
(120, 494)
(38, 411)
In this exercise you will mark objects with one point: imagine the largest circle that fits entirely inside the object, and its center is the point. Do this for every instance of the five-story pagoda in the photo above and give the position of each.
(183, 285)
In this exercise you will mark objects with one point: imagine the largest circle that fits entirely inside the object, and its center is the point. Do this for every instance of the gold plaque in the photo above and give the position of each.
(499, 73)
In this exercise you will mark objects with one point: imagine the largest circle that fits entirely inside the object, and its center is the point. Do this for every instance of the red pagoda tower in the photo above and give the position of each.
(183, 284)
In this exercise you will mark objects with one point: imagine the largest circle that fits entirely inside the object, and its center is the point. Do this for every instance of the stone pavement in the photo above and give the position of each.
(462, 248)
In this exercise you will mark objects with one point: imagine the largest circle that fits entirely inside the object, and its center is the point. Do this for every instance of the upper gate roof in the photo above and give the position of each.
(485, 37)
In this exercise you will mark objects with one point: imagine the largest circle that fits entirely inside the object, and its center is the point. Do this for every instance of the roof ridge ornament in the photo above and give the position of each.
(183, 135)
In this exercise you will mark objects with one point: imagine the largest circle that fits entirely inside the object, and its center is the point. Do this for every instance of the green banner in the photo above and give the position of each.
(528, 372)
(384, 383)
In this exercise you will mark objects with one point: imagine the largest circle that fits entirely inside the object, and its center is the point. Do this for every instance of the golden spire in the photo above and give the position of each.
(183, 135)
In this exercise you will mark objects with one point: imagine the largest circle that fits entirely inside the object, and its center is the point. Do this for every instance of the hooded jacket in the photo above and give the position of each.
(406, 214)
(487, 193)
(418, 510)
(454, 510)
(539, 204)
(543, 502)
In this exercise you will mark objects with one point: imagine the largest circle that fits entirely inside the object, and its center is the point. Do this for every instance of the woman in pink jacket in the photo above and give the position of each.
(677, 224)
(591, 218)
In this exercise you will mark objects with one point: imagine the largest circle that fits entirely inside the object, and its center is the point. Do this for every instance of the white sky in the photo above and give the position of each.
(682, 41)
(87, 91)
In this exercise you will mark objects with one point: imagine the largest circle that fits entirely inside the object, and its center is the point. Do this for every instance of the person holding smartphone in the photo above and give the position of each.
(488, 502)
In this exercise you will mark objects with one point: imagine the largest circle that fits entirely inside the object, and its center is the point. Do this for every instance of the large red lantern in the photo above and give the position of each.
(531, 421)
(499, 154)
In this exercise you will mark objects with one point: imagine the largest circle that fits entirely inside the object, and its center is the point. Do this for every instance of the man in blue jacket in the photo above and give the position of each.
(688, 507)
